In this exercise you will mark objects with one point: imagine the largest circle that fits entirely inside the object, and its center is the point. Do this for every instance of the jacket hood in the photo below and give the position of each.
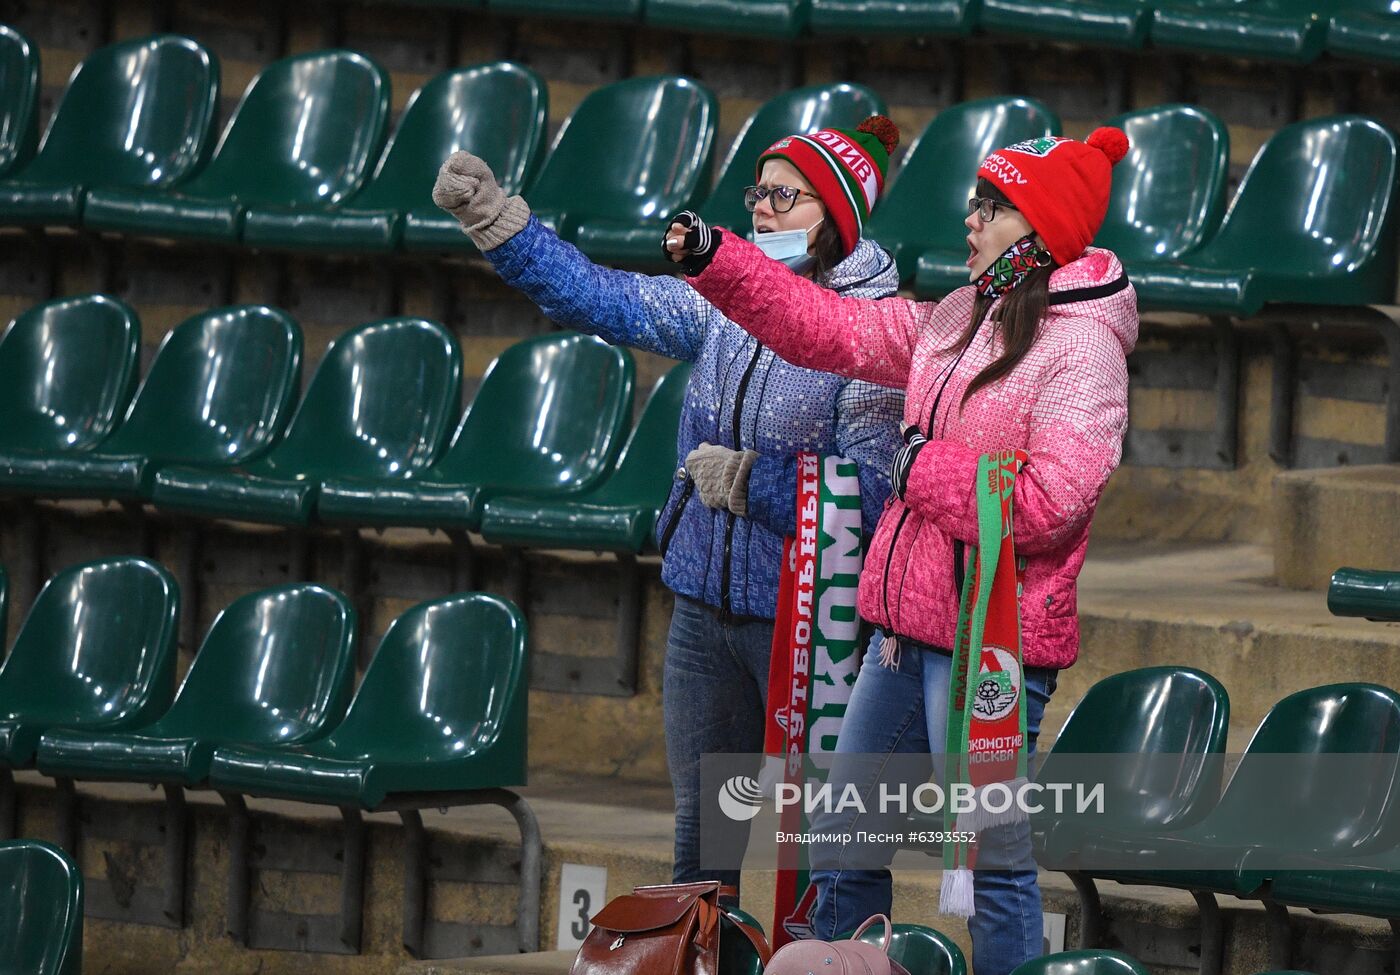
(869, 271)
(1096, 286)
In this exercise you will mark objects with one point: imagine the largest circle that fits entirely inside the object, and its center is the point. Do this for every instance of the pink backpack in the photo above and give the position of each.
(853, 957)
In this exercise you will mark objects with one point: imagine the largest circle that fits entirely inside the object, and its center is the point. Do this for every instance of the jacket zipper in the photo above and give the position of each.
(677, 511)
(889, 558)
(739, 394)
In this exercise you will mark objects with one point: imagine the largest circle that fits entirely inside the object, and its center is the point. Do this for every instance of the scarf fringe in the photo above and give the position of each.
(955, 895)
(889, 651)
(978, 818)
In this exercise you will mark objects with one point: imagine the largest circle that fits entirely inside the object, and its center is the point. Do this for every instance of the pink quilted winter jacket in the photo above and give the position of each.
(1065, 404)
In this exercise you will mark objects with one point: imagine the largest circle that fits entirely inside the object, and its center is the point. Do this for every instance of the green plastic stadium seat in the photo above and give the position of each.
(378, 406)
(901, 18)
(1094, 961)
(924, 208)
(277, 669)
(19, 99)
(736, 952)
(1269, 817)
(1370, 593)
(135, 116)
(496, 110)
(442, 708)
(97, 651)
(920, 949)
(67, 369)
(1279, 30)
(547, 420)
(619, 515)
(784, 19)
(1097, 23)
(4, 604)
(1165, 712)
(616, 10)
(1367, 30)
(1169, 191)
(802, 110)
(646, 144)
(1313, 222)
(41, 910)
(304, 136)
(218, 393)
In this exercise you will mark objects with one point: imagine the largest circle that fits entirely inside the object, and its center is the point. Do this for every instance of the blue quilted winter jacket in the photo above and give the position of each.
(740, 395)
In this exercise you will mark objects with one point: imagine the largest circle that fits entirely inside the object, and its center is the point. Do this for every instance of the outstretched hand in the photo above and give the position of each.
(467, 189)
(689, 241)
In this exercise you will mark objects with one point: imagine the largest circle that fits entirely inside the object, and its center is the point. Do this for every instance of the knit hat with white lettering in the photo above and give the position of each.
(1060, 185)
(845, 167)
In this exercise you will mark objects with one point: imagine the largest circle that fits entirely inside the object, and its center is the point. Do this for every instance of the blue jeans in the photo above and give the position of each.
(714, 684)
(906, 711)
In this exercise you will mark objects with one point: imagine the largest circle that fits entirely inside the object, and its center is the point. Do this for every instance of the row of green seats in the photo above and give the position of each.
(41, 910)
(214, 428)
(1295, 31)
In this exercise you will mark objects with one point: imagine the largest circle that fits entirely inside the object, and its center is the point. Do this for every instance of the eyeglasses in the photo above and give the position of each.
(781, 198)
(986, 208)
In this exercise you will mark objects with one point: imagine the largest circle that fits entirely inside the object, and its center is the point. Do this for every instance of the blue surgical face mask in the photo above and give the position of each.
(787, 246)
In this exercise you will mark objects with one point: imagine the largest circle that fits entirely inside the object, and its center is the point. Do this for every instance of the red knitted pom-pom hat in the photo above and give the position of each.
(1060, 185)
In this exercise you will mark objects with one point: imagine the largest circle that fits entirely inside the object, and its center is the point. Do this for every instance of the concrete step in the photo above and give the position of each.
(1326, 519)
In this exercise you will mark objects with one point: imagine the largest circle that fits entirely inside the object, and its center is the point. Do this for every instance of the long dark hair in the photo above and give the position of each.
(827, 249)
(1017, 318)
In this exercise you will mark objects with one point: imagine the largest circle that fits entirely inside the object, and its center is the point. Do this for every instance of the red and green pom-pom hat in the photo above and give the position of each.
(846, 168)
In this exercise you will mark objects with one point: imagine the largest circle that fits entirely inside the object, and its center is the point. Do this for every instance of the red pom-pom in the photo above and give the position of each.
(883, 129)
(1112, 142)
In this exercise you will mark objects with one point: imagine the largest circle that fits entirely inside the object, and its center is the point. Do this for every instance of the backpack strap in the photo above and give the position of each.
(889, 932)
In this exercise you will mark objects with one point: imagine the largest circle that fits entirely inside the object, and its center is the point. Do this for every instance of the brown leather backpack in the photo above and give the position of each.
(668, 929)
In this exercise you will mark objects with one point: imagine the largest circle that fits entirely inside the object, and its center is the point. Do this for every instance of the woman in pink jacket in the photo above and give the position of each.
(1031, 355)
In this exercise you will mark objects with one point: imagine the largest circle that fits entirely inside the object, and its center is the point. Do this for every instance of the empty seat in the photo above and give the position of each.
(67, 369)
(135, 115)
(924, 208)
(1280, 30)
(1099, 23)
(496, 111)
(19, 99)
(1373, 594)
(624, 10)
(304, 135)
(97, 651)
(645, 146)
(1313, 222)
(619, 515)
(276, 669)
(920, 949)
(218, 394)
(786, 19)
(378, 407)
(1168, 193)
(547, 420)
(900, 18)
(802, 110)
(1367, 30)
(1094, 961)
(41, 910)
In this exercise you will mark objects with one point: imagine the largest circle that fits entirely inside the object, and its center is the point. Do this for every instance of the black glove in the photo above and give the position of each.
(904, 458)
(699, 242)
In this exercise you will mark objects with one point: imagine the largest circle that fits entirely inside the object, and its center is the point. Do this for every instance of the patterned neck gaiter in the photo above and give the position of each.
(1008, 270)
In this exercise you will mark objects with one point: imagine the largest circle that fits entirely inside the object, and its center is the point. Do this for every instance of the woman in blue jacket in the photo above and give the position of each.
(747, 415)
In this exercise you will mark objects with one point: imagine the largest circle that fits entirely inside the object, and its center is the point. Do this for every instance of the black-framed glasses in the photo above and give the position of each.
(781, 198)
(986, 208)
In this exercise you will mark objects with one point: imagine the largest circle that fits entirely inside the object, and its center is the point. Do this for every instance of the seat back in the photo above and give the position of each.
(67, 368)
(448, 681)
(1169, 191)
(19, 99)
(645, 145)
(306, 132)
(648, 460)
(97, 648)
(379, 405)
(1320, 772)
(1093, 961)
(920, 949)
(4, 608)
(136, 113)
(548, 417)
(1372, 593)
(926, 204)
(802, 110)
(1178, 715)
(736, 953)
(219, 390)
(1318, 202)
(496, 111)
(277, 667)
(41, 910)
